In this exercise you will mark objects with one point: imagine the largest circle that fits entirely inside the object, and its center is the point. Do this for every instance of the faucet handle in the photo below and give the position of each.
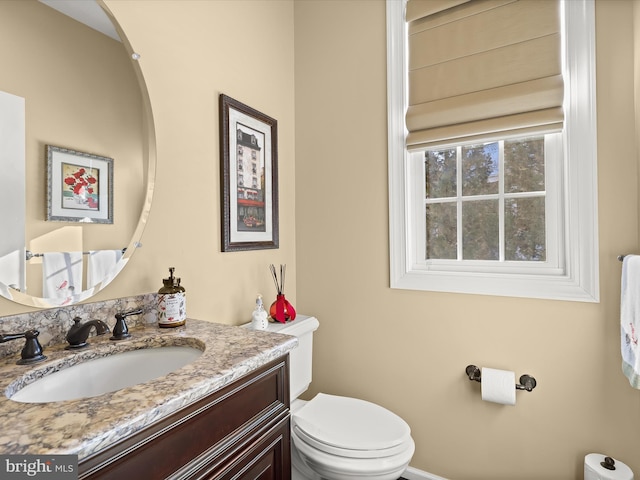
(32, 350)
(120, 329)
(136, 311)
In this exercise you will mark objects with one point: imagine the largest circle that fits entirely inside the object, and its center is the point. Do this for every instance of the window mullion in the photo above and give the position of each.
(501, 238)
(459, 202)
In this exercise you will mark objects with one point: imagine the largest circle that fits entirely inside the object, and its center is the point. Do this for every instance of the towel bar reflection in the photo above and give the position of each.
(29, 254)
(527, 382)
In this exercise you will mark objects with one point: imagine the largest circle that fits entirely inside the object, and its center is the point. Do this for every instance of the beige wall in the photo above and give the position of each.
(191, 51)
(408, 350)
(405, 350)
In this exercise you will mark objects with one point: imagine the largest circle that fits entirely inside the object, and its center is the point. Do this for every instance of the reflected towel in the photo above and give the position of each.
(102, 266)
(630, 318)
(62, 274)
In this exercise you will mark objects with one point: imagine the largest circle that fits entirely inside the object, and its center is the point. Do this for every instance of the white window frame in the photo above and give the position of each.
(573, 272)
(416, 198)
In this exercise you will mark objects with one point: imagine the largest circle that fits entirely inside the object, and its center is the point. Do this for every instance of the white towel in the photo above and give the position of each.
(62, 274)
(630, 318)
(102, 266)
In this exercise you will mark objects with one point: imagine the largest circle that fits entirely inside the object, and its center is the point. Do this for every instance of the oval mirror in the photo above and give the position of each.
(77, 151)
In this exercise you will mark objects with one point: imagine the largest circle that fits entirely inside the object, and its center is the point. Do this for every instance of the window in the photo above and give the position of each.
(488, 201)
(511, 214)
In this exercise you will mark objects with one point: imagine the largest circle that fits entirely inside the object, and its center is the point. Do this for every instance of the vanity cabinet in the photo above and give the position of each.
(241, 431)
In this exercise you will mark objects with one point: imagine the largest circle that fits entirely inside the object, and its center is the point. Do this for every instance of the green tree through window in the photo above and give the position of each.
(499, 177)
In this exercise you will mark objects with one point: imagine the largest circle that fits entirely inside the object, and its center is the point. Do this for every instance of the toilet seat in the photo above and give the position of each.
(315, 464)
(351, 428)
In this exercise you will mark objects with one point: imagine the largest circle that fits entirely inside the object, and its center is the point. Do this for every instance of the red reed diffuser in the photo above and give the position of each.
(281, 310)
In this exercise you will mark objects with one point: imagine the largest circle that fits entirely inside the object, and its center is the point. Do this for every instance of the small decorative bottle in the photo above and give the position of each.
(172, 302)
(259, 320)
(281, 310)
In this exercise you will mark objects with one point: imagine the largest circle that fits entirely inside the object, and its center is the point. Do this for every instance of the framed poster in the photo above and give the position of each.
(249, 177)
(79, 186)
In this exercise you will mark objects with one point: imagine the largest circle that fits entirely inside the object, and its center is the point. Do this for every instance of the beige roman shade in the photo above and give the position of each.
(483, 69)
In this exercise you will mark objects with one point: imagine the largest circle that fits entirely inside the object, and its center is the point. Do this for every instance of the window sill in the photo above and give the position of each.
(561, 287)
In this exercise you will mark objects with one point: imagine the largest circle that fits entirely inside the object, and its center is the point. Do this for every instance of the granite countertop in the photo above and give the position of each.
(86, 426)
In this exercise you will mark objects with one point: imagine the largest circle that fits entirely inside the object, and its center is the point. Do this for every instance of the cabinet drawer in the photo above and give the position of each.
(211, 428)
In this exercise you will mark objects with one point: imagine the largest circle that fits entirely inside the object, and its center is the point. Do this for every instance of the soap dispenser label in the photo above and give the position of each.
(172, 309)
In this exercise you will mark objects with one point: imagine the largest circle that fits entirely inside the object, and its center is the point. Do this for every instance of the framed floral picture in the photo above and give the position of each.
(249, 176)
(79, 186)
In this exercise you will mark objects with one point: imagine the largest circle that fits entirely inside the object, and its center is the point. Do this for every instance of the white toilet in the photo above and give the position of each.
(339, 438)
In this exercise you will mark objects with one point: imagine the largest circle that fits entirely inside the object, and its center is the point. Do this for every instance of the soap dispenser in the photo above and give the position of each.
(172, 302)
(259, 320)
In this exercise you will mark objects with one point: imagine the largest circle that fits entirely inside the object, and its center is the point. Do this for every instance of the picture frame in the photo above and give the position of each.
(79, 186)
(249, 177)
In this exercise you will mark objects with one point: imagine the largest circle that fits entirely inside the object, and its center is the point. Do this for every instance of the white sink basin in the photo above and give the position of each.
(107, 374)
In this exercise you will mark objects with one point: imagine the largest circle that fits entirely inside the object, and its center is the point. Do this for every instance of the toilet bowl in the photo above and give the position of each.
(335, 437)
(342, 438)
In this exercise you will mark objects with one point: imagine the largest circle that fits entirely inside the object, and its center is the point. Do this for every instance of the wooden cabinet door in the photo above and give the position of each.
(269, 458)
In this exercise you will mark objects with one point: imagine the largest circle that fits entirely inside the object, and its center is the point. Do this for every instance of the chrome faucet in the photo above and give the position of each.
(79, 332)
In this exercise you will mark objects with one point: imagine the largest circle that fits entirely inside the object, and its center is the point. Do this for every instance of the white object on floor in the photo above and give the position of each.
(594, 468)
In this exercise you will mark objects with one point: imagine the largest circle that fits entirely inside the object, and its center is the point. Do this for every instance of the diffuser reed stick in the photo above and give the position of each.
(279, 285)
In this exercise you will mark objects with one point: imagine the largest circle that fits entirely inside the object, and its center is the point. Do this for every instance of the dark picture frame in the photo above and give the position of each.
(249, 177)
(79, 186)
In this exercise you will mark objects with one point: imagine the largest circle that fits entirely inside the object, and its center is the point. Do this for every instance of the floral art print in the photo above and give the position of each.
(80, 186)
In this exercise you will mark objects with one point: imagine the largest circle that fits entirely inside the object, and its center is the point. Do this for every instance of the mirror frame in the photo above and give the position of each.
(149, 145)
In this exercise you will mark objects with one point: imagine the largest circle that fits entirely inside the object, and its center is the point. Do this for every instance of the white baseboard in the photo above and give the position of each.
(415, 474)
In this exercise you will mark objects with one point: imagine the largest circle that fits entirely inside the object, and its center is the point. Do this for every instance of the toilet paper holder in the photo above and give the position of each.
(527, 382)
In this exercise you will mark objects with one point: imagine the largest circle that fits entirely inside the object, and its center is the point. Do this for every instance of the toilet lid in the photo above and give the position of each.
(343, 423)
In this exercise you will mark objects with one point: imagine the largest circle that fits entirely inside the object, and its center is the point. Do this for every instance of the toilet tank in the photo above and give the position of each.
(300, 357)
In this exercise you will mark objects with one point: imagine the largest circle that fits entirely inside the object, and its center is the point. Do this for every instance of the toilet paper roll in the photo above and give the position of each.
(498, 386)
(593, 469)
